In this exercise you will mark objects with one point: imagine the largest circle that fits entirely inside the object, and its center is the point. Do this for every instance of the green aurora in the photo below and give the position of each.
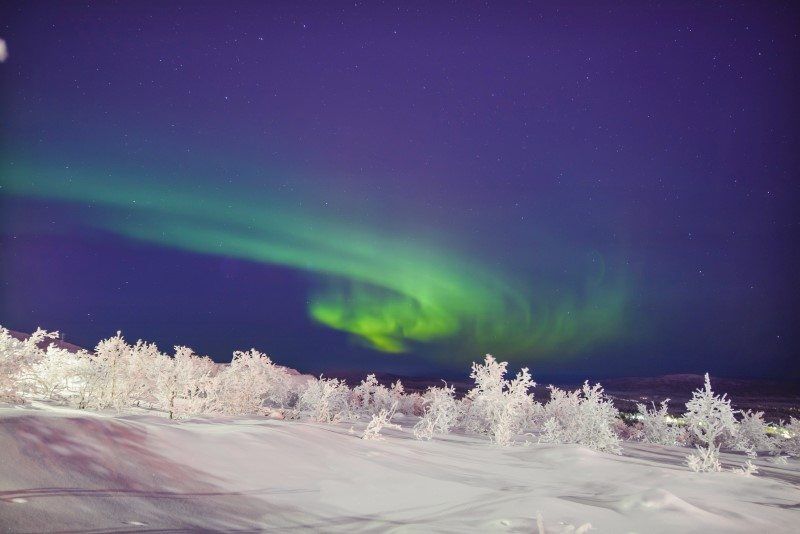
(390, 290)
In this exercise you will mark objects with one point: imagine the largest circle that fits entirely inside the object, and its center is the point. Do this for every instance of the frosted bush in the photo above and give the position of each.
(370, 397)
(407, 403)
(411, 404)
(751, 434)
(379, 421)
(584, 416)
(17, 359)
(195, 375)
(510, 418)
(657, 426)
(122, 375)
(249, 384)
(184, 383)
(87, 380)
(441, 413)
(498, 407)
(110, 367)
(626, 431)
(326, 400)
(709, 419)
(748, 468)
(137, 374)
(167, 385)
(56, 375)
(789, 441)
(487, 393)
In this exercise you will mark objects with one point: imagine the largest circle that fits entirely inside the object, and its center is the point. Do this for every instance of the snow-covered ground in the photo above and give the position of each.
(65, 470)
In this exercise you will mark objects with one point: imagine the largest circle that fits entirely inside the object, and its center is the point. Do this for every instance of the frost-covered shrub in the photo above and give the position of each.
(751, 434)
(184, 383)
(370, 397)
(379, 421)
(407, 403)
(411, 404)
(627, 431)
(584, 416)
(195, 376)
(326, 400)
(249, 384)
(17, 360)
(788, 442)
(498, 407)
(510, 417)
(747, 469)
(138, 380)
(110, 364)
(87, 380)
(56, 375)
(441, 412)
(121, 375)
(657, 425)
(709, 419)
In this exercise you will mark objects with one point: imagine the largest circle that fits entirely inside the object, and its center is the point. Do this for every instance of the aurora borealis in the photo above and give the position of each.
(384, 290)
(402, 189)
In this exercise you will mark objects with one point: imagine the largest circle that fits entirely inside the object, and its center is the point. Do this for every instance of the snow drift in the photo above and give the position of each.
(66, 470)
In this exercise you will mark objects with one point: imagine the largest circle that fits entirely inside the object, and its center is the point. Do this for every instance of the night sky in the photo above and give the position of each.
(598, 189)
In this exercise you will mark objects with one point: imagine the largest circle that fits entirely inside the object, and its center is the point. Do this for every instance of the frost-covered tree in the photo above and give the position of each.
(497, 406)
(657, 426)
(326, 400)
(379, 421)
(710, 419)
(249, 384)
(584, 416)
(442, 412)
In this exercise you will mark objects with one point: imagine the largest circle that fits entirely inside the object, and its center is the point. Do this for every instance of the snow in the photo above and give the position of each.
(64, 469)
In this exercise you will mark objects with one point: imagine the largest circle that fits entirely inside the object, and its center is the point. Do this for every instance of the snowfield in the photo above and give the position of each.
(66, 470)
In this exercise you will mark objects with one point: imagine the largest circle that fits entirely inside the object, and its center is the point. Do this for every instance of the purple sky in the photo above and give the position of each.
(611, 188)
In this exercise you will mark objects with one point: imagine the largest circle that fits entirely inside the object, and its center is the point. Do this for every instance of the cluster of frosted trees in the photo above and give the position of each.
(118, 375)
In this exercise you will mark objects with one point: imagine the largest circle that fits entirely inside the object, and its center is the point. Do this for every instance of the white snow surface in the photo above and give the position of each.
(66, 470)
